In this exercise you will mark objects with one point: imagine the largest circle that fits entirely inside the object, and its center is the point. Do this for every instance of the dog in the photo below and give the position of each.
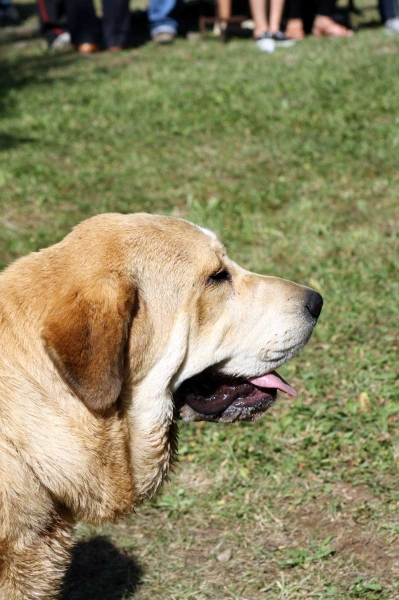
(107, 338)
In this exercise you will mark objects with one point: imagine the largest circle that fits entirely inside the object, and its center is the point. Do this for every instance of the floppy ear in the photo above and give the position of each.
(85, 334)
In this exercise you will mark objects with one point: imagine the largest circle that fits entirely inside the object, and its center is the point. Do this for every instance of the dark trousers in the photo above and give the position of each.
(388, 9)
(52, 16)
(308, 9)
(297, 9)
(84, 26)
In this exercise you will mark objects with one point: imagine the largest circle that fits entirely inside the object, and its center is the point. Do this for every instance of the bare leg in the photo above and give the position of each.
(276, 12)
(295, 12)
(258, 12)
(224, 7)
(294, 29)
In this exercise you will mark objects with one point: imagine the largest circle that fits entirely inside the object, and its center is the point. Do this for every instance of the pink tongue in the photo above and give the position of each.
(273, 380)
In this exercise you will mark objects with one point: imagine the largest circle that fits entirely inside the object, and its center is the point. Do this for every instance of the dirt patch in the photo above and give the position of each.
(352, 494)
(333, 516)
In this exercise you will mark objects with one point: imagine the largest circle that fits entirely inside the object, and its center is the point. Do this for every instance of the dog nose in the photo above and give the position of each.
(314, 303)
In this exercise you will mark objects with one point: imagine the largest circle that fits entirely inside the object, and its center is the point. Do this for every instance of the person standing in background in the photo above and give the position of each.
(89, 34)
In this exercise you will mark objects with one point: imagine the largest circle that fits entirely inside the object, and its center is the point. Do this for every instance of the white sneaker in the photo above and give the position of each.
(392, 26)
(265, 43)
(163, 34)
(61, 41)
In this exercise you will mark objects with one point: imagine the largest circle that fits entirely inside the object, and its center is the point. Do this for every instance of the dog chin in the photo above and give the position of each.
(230, 415)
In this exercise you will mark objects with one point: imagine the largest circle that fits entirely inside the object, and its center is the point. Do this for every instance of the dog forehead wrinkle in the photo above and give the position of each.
(167, 242)
(175, 251)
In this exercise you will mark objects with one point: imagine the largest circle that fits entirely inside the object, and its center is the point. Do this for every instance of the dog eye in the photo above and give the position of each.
(219, 277)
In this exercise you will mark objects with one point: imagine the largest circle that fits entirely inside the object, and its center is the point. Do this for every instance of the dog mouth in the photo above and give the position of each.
(214, 397)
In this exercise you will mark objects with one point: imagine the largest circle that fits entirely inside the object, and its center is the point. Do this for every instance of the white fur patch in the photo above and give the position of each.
(209, 233)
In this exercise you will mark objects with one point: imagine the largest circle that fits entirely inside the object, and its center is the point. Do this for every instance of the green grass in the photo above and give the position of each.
(293, 159)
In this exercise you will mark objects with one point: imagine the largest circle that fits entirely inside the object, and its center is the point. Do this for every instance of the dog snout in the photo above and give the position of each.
(314, 303)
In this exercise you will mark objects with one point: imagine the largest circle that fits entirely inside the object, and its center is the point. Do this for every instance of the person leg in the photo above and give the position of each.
(83, 23)
(263, 37)
(387, 10)
(280, 39)
(389, 15)
(324, 25)
(294, 14)
(53, 20)
(294, 29)
(258, 12)
(116, 23)
(163, 17)
(224, 9)
(276, 12)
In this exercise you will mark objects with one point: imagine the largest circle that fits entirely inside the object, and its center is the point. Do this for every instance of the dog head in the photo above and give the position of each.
(150, 309)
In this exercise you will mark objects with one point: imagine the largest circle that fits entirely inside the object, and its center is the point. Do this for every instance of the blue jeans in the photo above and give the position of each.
(163, 15)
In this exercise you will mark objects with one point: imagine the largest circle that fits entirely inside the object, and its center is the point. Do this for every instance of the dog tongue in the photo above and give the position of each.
(274, 380)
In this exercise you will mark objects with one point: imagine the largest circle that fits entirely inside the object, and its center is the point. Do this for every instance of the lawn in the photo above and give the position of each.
(293, 159)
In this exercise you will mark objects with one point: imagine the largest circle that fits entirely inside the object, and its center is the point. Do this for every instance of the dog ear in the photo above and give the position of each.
(85, 334)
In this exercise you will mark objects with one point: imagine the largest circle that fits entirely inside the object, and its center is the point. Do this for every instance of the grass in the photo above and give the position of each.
(292, 158)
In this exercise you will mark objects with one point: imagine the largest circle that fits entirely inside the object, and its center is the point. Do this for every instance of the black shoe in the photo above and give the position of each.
(281, 40)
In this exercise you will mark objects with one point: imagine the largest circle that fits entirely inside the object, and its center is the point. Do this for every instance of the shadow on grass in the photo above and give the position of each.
(100, 571)
(25, 71)
(15, 77)
(8, 141)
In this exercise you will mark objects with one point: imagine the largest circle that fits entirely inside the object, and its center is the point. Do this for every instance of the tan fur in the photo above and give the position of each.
(96, 333)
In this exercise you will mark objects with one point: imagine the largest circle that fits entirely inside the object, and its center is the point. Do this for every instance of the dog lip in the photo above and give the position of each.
(210, 394)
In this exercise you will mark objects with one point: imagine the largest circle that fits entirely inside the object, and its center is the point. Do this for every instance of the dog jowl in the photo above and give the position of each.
(128, 324)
